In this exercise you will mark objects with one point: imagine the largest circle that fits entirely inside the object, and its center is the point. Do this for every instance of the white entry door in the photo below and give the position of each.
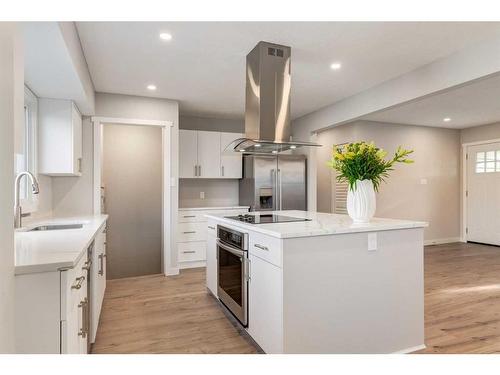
(483, 193)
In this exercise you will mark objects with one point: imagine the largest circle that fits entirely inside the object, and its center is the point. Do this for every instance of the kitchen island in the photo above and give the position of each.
(327, 285)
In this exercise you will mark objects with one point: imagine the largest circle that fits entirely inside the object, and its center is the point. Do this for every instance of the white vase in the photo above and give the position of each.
(361, 202)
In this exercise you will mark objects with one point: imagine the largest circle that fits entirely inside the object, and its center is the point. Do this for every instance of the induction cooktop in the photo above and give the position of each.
(265, 218)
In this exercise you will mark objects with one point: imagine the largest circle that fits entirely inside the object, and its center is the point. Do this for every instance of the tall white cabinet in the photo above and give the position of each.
(59, 138)
(201, 155)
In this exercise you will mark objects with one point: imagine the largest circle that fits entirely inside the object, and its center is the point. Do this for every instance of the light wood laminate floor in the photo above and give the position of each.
(154, 314)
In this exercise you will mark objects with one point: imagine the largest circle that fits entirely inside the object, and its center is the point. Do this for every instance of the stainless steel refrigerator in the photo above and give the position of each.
(272, 182)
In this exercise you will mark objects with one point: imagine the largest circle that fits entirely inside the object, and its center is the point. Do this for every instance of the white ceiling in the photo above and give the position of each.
(476, 103)
(203, 66)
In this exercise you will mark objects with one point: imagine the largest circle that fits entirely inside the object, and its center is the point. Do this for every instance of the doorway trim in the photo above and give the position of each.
(168, 183)
(465, 146)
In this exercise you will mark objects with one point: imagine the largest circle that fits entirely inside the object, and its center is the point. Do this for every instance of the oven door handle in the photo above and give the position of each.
(231, 249)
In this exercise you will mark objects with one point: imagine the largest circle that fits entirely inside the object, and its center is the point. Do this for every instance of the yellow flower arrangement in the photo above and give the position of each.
(365, 161)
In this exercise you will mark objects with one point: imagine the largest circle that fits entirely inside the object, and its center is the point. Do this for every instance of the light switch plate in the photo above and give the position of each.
(372, 241)
(202, 195)
(423, 181)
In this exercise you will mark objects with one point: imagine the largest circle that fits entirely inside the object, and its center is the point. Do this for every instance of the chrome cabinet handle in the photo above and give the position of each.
(199, 170)
(188, 216)
(80, 165)
(189, 232)
(84, 306)
(195, 171)
(210, 227)
(87, 265)
(189, 252)
(222, 171)
(262, 247)
(101, 260)
(79, 282)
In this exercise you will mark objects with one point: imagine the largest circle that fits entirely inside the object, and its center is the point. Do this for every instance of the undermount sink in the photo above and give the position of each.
(56, 227)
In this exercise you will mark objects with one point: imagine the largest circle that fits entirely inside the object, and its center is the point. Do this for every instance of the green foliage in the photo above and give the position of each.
(364, 161)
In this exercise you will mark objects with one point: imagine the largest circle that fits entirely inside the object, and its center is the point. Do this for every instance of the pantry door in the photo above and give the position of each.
(483, 193)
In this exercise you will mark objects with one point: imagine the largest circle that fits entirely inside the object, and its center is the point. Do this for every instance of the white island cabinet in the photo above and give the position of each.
(330, 286)
(59, 289)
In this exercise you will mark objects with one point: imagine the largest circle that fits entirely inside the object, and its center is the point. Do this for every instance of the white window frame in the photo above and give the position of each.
(29, 204)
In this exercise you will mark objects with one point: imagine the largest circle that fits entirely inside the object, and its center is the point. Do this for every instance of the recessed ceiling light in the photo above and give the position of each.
(274, 152)
(335, 66)
(258, 145)
(151, 87)
(447, 119)
(166, 36)
(242, 150)
(293, 147)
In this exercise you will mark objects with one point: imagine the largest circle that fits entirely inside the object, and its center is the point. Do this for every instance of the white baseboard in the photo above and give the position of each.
(185, 265)
(172, 271)
(440, 241)
(411, 349)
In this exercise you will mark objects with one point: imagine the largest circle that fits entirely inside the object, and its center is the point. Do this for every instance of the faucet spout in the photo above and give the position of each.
(17, 185)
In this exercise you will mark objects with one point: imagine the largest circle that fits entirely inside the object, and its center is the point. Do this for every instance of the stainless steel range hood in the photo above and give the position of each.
(267, 109)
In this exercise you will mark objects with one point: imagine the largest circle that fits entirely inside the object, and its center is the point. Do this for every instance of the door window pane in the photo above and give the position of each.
(490, 166)
(480, 167)
(480, 156)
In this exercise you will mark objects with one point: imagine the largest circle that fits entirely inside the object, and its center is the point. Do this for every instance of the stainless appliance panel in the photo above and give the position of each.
(232, 272)
(292, 194)
(265, 174)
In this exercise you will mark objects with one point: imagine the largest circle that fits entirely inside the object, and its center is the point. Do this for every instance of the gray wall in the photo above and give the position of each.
(11, 112)
(481, 133)
(211, 124)
(437, 159)
(132, 177)
(217, 192)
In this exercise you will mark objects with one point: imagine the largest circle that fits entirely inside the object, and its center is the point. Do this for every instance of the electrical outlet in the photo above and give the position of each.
(372, 241)
(423, 181)
(202, 195)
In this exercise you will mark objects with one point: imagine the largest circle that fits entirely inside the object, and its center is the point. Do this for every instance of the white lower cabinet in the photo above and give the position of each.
(192, 234)
(98, 285)
(74, 310)
(55, 313)
(265, 301)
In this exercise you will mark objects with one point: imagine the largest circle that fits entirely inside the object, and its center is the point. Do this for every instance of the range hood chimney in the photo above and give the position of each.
(267, 109)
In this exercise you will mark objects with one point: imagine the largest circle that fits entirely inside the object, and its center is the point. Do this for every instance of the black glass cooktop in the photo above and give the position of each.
(265, 218)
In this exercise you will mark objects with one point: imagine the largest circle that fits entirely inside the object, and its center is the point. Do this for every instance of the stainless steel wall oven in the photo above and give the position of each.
(232, 271)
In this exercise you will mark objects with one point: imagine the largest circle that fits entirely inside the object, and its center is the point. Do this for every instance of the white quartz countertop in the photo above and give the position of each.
(321, 224)
(46, 251)
(214, 208)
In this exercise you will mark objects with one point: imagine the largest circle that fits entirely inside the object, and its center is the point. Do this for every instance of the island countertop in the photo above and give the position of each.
(47, 251)
(320, 224)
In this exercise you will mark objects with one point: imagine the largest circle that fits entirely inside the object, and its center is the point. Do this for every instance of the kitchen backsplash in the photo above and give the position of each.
(216, 192)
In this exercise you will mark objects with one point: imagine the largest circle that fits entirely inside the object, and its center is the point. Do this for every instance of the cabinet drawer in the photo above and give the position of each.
(192, 216)
(266, 248)
(191, 251)
(192, 232)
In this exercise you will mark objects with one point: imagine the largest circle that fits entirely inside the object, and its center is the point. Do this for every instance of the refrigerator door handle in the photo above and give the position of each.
(274, 179)
(278, 179)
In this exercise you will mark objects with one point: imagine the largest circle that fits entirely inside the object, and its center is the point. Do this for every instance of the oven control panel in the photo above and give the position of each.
(233, 237)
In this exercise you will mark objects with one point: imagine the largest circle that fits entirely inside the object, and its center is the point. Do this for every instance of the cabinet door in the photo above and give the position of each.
(209, 154)
(77, 140)
(188, 153)
(211, 262)
(265, 311)
(231, 164)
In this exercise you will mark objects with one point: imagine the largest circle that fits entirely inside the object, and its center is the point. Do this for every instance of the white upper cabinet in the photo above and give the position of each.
(59, 138)
(230, 161)
(188, 153)
(208, 154)
(201, 155)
